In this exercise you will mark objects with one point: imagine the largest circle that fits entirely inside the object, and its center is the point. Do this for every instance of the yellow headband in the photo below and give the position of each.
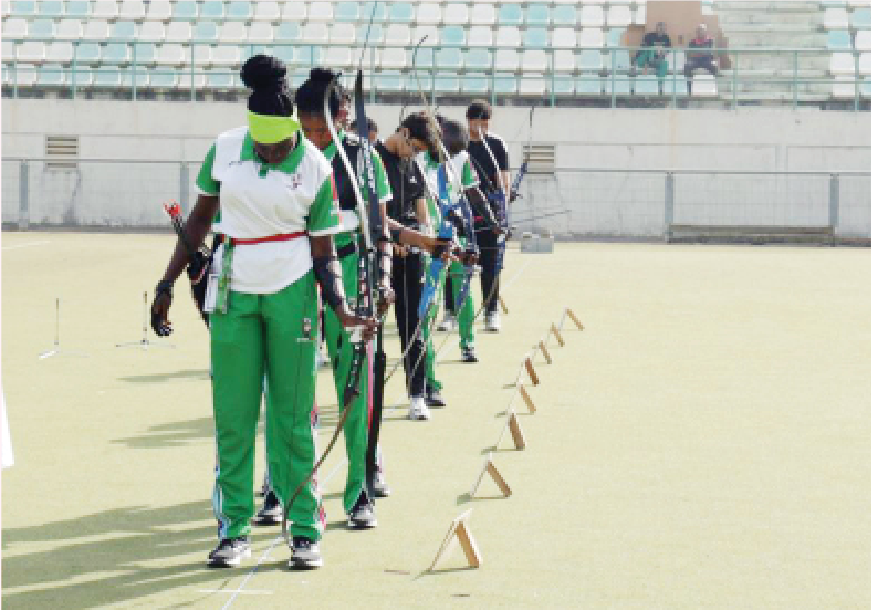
(267, 129)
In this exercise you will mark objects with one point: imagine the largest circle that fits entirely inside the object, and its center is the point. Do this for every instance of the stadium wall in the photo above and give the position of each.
(620, 203)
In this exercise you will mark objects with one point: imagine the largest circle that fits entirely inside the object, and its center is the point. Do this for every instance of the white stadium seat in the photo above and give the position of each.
(397, 34)
(315, 32)
(482, 14)
(178, 31)
(456, 14)
(96, 29)
(842, 63)
(233, 31)
(429, 13)
(103, 9)
(132, 9)
(31, 52)
(534, 61)
(152, 31)
(15, 27)
(507, 59)
(260, 31)
(343, 33)
(69, 29)
(320, 11)
(267, 11)
(59, 52)
(480, 36)
(159, 10)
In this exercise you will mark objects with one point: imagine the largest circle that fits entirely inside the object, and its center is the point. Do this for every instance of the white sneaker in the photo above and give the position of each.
(492, 323)
(418, 410)
(449, 322)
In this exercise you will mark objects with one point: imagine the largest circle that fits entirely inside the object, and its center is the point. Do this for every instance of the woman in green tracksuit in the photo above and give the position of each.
(276, 199)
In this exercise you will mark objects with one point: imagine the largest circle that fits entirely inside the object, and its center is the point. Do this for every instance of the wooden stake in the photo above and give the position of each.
(459, 530)
(527, 398)
(502, 305)
(544, 352)
(559, 338)
(530, 370)
(516, 432)
(574, 318)
(495, 474)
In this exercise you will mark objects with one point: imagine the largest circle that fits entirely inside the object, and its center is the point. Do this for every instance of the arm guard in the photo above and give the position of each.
(328, 273)
(480, 207)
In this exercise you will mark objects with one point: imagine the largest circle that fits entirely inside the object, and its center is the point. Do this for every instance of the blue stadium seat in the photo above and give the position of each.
(618, 59)
(562, 84)
(240, 10)
(535, 38)
(866, 88)
(475, 83)
(565, 15)
(50, 8)
(88, 53)
(450, 58)
(212, 9)
(537, 14)
(116, 53)
(505, 83)
(220, 79)
(838, 40)
(375, 34)
(479, 59)
(23, 8)
(511, 14)
(107, 77)
(447, 83)
(122, 30)
(620, 83)
(78, 8)
(400, 12)
(144, 53)
(647, 85)
(205, 31)
(41, 28)
(163, 78)
(348, 12)
(678, 85)
(588, 84)
(51, 76)
(380, 12)
(288, 32)
(284, 52)
(308, 56)
(589, 59)
(390, 80)
(861, 18)
(185, 10)
(452, 34)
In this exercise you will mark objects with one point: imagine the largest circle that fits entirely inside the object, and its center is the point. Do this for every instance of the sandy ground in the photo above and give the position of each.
(702, 444)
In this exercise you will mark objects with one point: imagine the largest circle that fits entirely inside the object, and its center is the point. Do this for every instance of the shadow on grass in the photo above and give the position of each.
(443, 572)
(187, 374)
(171, 434)
(78, 573)
(465, 498)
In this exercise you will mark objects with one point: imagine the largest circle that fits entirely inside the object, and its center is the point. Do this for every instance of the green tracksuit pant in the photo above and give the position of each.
(432, 383)
(341, 352)
(262, 336)
(466, 315)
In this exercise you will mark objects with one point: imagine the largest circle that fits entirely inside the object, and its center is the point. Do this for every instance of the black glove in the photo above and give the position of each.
(160, 307)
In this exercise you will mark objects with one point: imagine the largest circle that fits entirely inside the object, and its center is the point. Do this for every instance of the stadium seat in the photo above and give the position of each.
(267, 11)
(456, 14)
(620, 83)
(220, 79)
(863, 41)
(185, 10)
(390, 80)
(475, 83)
(564, 60)
(24, 76)
(400, 12)
(259, 31)
(445, 83)
(315, 32)
(107, 77)
(429, 13)
(152, 31)
(308, 56)
(480, 36)
(116, 53)
(676, 84)
(50, 8)
(424, 58)
(647, 85)
(866, 88)
(212, 9)
(838, 40)
(510, 14)
(234, 32)
(535, 38)
(452, 35)
(178, 31)
(842, 63)
(225, 55)
(374, 34)
(184, 80)
(562, 84)
(107, 10)
(591, 37)
(347, 12)
(614, 37)
(338, 57)
(287, 33)
(619, 16)
(534, 60)
(482, 14)
(505, 84)
(284, 53)
(397, 34)
(343, 33)
(479, 59)
(240, 10)
(592, 16)
(122, 30)
(449, 58)
(9, 51)
(861, 19)
(836, 18)
(507, 59)
(844, 87)
(78, 8)
(564, 15)
(639, 17)
(537, 14)
(133, 10)
(376, 11)
(320, 11)
(96, 29)
(431, 32)
(394, 58)
(508, 37)
(171, 54)
(23, 8)
(865, 63)
(618, 59)
(533, 84)
(704, 85)
(203, 31)
(31, 51)
(53, 75)
(590, 59)
(15, 27)
(158, 10)
(87, 53)
(41, 28)
(69, 29)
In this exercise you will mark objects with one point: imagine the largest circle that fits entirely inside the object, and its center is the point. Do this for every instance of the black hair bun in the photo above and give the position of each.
(322, 75)
(264, 73)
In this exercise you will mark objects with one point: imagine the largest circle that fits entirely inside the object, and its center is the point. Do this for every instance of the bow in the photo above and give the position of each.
(200, 260)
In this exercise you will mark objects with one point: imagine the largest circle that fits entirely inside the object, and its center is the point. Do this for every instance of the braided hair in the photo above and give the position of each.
(265, 76)
(310, 95)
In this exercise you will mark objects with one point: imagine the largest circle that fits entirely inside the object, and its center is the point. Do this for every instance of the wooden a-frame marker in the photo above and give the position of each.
(495, 474)
(502, 305)
(513, 424)
(530, 370)
(574, 318)
(542, 346)
(526, 398)
(559, 338)
(459, 531)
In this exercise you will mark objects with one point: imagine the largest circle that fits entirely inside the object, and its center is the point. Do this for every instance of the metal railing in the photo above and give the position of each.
(571, 203)
(614, 73)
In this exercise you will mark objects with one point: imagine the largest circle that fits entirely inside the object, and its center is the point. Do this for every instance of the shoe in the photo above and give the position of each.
(449, 322)
(230, 552)
(380, 488)
(418, 410)
(306, 554)
(434, 399)
(362, 516)
(270, 512)
(467, 354)
(492, 323)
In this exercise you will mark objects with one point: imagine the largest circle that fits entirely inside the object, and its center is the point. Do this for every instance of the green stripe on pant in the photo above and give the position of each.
(263, 335)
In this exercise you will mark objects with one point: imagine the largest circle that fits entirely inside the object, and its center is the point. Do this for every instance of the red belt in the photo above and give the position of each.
(236, 241)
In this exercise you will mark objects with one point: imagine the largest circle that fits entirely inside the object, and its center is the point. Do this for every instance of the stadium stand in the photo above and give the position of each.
(561, 49)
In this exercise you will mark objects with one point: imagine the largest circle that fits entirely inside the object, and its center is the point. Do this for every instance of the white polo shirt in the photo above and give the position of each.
(260, 199)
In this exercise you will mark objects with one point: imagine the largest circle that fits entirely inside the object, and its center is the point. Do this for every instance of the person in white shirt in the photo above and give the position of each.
(275, 194)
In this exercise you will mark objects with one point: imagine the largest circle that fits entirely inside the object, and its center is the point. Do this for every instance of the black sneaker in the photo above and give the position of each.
(230, 552)
(434, 398)
(270, 512)
(380, 489)
(306, 554)
(362, 516)
(467, 354)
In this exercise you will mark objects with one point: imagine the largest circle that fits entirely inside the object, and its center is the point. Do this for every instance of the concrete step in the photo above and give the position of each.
(778, 6)
(759, 87)
(806, 40)
(809, 20)
(780, 63)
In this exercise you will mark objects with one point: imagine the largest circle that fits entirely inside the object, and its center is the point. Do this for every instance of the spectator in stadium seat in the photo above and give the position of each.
(652, 52)
(700, 59)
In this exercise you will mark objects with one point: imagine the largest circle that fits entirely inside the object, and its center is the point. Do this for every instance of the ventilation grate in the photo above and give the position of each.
(61, 152)
(541, 158)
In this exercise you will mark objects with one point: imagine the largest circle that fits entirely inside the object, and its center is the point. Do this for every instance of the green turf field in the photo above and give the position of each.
(702, 444)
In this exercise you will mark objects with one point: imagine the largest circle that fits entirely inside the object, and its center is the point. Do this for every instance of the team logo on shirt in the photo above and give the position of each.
(294, 181)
